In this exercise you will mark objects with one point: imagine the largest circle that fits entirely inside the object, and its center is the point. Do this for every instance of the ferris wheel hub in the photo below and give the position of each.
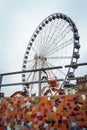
(42, 58)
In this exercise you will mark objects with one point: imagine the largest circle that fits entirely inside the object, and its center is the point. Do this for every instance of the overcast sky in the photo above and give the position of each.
(19, 19)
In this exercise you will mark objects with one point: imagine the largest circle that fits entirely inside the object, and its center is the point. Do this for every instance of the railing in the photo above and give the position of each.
(39, 80)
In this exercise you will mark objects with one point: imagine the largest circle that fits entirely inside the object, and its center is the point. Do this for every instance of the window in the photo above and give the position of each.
(68, 90)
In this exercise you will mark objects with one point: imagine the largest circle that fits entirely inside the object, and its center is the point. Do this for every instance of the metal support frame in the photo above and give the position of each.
(79, 64)
(33, 70)
(1, 94)
(39, 80)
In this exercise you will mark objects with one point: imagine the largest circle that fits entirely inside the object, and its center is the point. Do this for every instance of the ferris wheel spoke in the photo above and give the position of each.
(32, 67)
(52, 32)
(59, 38)
(60, 47)
(59, 57)
(62, 34)
(62, 72)
(57, 30)
(66, 43)
(59, 70)
(32, 60)
(50, 65)
(27, 77)
(38, 43)
(42, 37)
(46, 33)
(34, 50)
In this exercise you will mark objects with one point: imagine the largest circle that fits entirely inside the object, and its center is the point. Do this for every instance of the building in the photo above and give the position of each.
(82, 85)
(72, 90)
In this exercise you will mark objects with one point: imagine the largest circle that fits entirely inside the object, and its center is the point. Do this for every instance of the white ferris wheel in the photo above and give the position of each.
(55, 42)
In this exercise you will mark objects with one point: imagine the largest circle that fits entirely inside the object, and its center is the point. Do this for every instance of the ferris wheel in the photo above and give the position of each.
(55, 42)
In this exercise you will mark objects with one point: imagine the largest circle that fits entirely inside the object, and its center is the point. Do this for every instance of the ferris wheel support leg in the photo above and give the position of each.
(39, 82)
